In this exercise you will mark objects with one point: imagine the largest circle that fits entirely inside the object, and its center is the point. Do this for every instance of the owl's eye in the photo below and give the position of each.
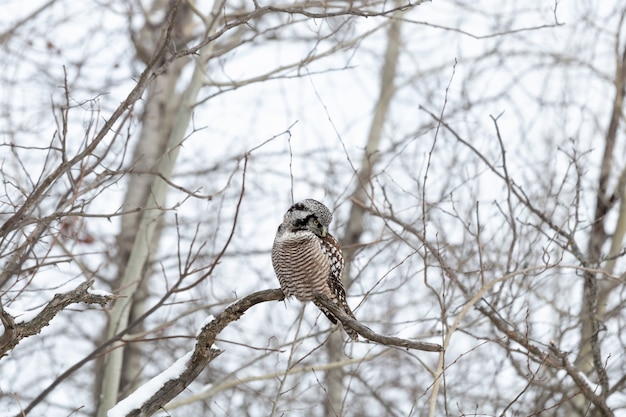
(315, 222)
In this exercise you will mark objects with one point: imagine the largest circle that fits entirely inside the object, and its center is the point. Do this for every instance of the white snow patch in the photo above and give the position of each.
(23, 316)
(592, 385)
(143, 393)
(102, 293)
(206, 321)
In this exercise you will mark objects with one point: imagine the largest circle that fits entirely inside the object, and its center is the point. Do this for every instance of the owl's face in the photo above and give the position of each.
(308, 215)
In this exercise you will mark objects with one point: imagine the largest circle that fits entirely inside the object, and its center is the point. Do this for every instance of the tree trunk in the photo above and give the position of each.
(354, 228)
(596, 289)
(165, 122)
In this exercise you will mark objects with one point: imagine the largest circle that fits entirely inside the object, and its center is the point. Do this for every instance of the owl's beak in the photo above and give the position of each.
(324, 231)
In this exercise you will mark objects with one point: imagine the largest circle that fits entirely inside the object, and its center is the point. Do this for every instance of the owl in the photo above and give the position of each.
(308, 260)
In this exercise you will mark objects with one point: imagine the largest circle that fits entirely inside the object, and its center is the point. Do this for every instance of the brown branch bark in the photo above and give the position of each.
(557, 359)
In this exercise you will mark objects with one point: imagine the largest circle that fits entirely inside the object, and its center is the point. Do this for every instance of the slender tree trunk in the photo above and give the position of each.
(596, 289)
(157, 121)
(165, 122)
(354, 229)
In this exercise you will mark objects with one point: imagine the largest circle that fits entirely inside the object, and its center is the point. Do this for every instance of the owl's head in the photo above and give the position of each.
(309, 215)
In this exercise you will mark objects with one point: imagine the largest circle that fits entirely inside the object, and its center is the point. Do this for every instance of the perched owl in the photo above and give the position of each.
(307, 259)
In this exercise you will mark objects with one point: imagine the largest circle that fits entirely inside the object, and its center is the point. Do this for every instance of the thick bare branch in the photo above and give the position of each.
(19, 331)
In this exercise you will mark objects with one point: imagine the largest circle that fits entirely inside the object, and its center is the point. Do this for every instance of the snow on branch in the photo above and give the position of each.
(143, 395)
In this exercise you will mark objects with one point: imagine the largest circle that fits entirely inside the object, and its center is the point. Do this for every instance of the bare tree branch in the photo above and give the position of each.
(16, 332)
(369, 334)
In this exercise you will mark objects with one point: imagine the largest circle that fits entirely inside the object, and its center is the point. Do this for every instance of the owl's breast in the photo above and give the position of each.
(302, 267)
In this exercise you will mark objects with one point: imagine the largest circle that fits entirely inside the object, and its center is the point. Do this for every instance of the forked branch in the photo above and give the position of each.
(14, 331)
